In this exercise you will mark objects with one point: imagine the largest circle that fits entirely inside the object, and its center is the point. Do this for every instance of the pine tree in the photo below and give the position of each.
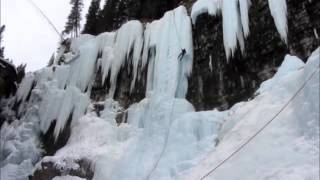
(2, 28)
(92, 18)
(107, 16)
(73, 24)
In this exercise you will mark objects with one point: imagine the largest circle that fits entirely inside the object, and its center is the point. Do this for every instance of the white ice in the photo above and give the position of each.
(278, 9)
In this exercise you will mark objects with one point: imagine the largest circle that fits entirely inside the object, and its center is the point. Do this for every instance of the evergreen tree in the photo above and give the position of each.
(92, 18)
(107, 16)
(2, 28)
(73, 24)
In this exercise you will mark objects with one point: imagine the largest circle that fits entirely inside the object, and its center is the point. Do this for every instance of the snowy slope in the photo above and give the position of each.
(289, 147)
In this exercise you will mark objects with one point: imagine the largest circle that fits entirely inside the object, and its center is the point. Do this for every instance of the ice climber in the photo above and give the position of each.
(181, 55)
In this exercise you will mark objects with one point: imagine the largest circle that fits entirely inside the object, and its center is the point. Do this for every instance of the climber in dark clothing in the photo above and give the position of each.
(181, 55)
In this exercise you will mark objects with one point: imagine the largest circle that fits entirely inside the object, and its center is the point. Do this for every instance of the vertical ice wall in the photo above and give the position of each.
(158, 46)
(167, 84)
(167, 37)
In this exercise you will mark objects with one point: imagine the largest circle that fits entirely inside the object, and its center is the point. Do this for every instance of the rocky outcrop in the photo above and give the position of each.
(217, 83)
(49, 170)
(8, 78)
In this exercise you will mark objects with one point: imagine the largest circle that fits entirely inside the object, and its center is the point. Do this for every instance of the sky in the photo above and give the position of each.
(28, 38)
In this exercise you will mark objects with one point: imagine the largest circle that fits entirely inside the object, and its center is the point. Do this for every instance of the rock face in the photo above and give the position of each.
(49, 170)
(8, 78)
(217, 83)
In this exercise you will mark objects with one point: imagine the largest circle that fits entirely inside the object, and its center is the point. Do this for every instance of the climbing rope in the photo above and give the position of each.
(46, 17)
(262, 128)
(165, 143)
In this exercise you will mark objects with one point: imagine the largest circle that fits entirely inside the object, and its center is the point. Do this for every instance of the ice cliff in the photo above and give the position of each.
(161, 135)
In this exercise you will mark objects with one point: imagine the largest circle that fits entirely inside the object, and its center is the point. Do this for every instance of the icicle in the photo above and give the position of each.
(240, 36)
(230, 26)
(50, 106)
(106, 43)
(66, 109)
(244, 10)
(129, 37)
(25, 87)
(146, 46)
(83, 68)
(58, 104)
(137, 48)
(235, 20)
(278, 10)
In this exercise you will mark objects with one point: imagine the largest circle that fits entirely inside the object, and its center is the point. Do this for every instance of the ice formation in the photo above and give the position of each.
(25, 87)
(131, 45)
(164, 138)
(232, 30)
(235, 15)
(278, 10)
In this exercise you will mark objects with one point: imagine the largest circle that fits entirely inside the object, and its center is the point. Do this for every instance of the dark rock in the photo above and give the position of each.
(8, 78)
(50, 144)
(49, 170)
(122, 93)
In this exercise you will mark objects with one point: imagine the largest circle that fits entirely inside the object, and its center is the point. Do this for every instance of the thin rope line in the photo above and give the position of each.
(165, 143)
(46, 17)
(261, 129)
